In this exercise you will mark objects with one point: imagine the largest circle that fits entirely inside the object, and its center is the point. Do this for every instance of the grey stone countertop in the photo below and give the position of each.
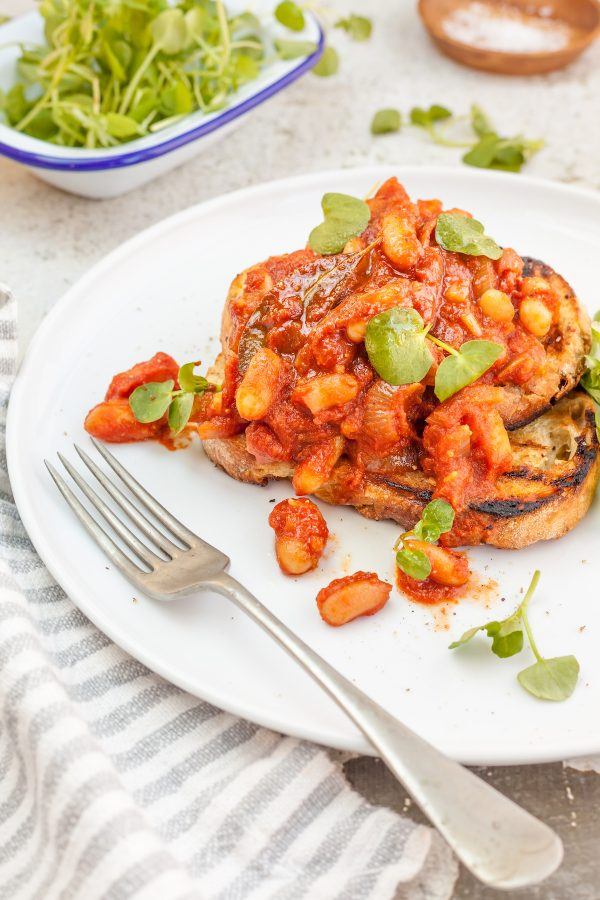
(49, 239)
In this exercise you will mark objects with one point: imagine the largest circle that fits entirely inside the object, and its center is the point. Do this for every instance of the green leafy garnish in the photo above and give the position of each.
(489, 151)
(413, 563)
(359, 28)
(464, 366)
(504, 154)
(591, 377)
(293, 49)
(426, 118)
(395, 341)
(386, 121)
(462, 234)
(149, 402)
(548, 679)
(290, 15)
(328, 64)
(436, 519)
(109, 72)
(345, 217)
(396, 344)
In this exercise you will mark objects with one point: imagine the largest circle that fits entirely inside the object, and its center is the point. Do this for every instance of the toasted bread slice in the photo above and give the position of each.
(549, 489)
(568, 344)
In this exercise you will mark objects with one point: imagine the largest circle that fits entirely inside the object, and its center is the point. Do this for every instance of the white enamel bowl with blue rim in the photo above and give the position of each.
(109, 172)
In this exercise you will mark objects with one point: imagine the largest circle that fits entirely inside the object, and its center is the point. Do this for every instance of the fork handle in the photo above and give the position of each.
(499, 842)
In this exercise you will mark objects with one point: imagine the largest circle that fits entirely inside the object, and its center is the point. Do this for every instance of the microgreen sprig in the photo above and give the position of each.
(396, 344)
(436, 519)
(488, 150)
(551, 678)
(463, 234)
(149, 402)
(112, 72)
(591, 377)
(358, 28)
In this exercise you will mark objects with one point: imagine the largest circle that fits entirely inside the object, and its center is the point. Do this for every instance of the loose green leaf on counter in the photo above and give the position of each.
(396, 345)
(359, 28)
(480, 123)
(548, 679)
(436, 519)
(464, 366)
(504, 154)
(290, 15)
(345, 217)
(293, 49)
(328, 64)
(386, 121)
(462, 234)
(425, 118)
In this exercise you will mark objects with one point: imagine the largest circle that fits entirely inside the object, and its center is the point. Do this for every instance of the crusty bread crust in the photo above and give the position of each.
(565, 355)
(549, 490)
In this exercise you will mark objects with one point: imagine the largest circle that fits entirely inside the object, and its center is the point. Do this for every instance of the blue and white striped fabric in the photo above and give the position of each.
(116, 784)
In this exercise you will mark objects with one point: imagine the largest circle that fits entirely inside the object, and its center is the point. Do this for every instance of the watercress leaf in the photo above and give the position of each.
(458, 370)
(169, 31)
(507, 638)
(396, 346)
(176, 99)
(413, 563)
(386, 121)
(359, 28)
(194, 384)
(480, 123)
(328, 64)
(425, 118)
(462, 234)
(591, 380)
(345, 217)
(121, 126)
(150, 401)
(506, 154)
(294, 49)
(290, 15)
(551, 679)
(465, 637)
(437, 519)
(180, 411)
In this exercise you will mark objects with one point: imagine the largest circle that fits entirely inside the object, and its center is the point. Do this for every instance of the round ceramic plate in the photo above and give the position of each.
(164, 290)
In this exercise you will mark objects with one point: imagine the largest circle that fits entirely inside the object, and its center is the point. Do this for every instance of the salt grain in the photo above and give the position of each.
(504, 28)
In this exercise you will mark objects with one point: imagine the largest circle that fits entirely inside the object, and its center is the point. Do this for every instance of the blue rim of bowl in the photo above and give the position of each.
(41, 161)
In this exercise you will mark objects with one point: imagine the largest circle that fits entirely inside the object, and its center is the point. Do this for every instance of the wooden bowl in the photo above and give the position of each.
(583, 17)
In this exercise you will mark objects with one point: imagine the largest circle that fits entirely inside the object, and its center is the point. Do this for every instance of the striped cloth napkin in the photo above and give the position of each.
(116, 784)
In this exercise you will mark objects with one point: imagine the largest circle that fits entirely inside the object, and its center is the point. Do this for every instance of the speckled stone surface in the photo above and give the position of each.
(48, 239)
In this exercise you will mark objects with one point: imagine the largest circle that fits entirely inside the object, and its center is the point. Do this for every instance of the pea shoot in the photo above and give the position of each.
(396, 344)
(553, 678)
(149, 402)
(108, 73)
(386, 121)
(344, 217)
(436, 519)
(358, 28)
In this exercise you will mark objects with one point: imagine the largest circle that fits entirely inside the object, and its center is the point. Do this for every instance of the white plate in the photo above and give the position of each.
(164, 290)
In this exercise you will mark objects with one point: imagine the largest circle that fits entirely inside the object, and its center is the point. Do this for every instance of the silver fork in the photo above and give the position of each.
(499, 842)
